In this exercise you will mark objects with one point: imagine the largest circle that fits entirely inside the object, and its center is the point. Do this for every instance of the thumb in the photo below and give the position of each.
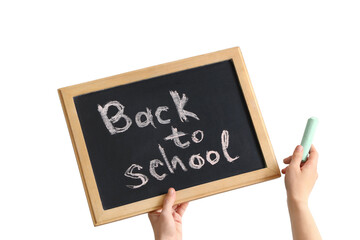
(169, 200)
(297, 156)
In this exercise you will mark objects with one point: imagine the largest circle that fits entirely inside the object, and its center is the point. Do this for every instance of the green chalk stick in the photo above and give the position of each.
(308, 136)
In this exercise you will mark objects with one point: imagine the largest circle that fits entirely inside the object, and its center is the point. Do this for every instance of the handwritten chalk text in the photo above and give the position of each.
(162, 167)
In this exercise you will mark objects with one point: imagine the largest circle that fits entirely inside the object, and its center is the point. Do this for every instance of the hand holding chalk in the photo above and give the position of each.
(299, 182)
(308, 136)
(300, 179)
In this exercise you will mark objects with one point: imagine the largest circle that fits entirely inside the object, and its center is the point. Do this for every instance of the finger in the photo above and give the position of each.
(181, 209)
(177, 217)
(154, 214)
(296, 157)
(313, 154)
(155, 211)
(287, 160)
(284, 170)
(169, 200)
(312, 160)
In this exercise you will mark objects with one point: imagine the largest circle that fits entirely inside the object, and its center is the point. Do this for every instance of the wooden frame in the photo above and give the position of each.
(101, 216)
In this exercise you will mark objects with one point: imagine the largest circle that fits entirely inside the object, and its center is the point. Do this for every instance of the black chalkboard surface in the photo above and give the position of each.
(214, 95)
(196, 128)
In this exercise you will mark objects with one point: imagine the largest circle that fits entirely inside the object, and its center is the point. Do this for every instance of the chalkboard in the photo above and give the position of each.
(186, 128)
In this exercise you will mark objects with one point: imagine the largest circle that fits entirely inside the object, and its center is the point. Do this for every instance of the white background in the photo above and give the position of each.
(303, 60)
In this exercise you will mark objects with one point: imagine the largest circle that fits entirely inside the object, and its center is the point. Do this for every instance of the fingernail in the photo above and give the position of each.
(171, 191)
(299, 148)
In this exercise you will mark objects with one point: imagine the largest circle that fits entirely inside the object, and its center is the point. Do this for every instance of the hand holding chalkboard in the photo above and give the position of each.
(167, 222)
(193, 124)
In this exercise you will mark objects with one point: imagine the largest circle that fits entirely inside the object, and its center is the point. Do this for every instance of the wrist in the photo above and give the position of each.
(163, 238)
(297, 203)
(166, 238)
